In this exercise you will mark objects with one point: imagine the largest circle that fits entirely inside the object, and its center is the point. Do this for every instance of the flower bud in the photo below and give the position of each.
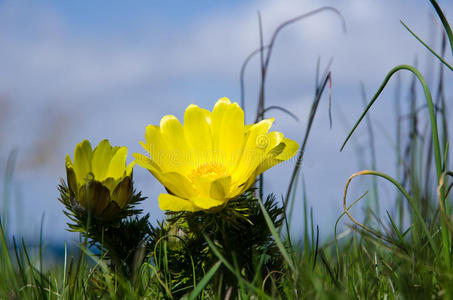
(98, 180)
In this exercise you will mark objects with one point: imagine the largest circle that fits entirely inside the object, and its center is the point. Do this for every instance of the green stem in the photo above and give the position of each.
(444, 22)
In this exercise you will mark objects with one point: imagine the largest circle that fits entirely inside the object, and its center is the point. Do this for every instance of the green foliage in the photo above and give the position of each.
(178, 247)
(120, 240)
(239, 232)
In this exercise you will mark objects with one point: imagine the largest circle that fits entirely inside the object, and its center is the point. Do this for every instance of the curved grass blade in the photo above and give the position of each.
(242, 74)
(406, 195)
(281, 109)
(338, 220)
(432, 113)
(296, 19)
(265, 61)
(443, 198)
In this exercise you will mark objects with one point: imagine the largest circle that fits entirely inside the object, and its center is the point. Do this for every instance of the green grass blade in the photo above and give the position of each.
(306, 242)
(6, 258)
(398, 233)
(444, 23)
(373, 159)
(406, 195)
(432, 114)
(314, 108)
(21, 269)
(217, 253)
(277, 239)
(338, 220)
(200, 286)
(427, 47)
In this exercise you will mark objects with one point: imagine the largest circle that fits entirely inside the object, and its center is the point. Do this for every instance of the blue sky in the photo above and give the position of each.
(102, 69)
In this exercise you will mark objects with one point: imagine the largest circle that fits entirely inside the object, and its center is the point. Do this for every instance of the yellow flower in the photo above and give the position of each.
(214, 157)
(99, 180)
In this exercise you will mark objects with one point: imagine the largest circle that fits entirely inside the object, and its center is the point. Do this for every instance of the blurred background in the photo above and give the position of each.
(71, 70)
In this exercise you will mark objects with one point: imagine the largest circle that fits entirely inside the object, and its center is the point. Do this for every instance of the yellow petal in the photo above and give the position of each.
(202, 184)
(222, 101)
(230, 135)
(197, 130)
(178, 156)
(254, 151)
(82, 159)
(177, 184)
(129, 168)
(102, 155)
(115, 149)
(206, 202)
(218, 113)
(174, 203)
(273, 139)
(155, 145)
(110, 183)
(288, 148)
(220, 188)
(146, 162)
(118, 163)
(270, 159)
(244, 186)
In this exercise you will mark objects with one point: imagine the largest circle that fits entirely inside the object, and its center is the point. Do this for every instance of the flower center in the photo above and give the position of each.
(210, 171)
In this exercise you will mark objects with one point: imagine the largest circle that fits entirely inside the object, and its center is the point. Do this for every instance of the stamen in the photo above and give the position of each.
(210, 170)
